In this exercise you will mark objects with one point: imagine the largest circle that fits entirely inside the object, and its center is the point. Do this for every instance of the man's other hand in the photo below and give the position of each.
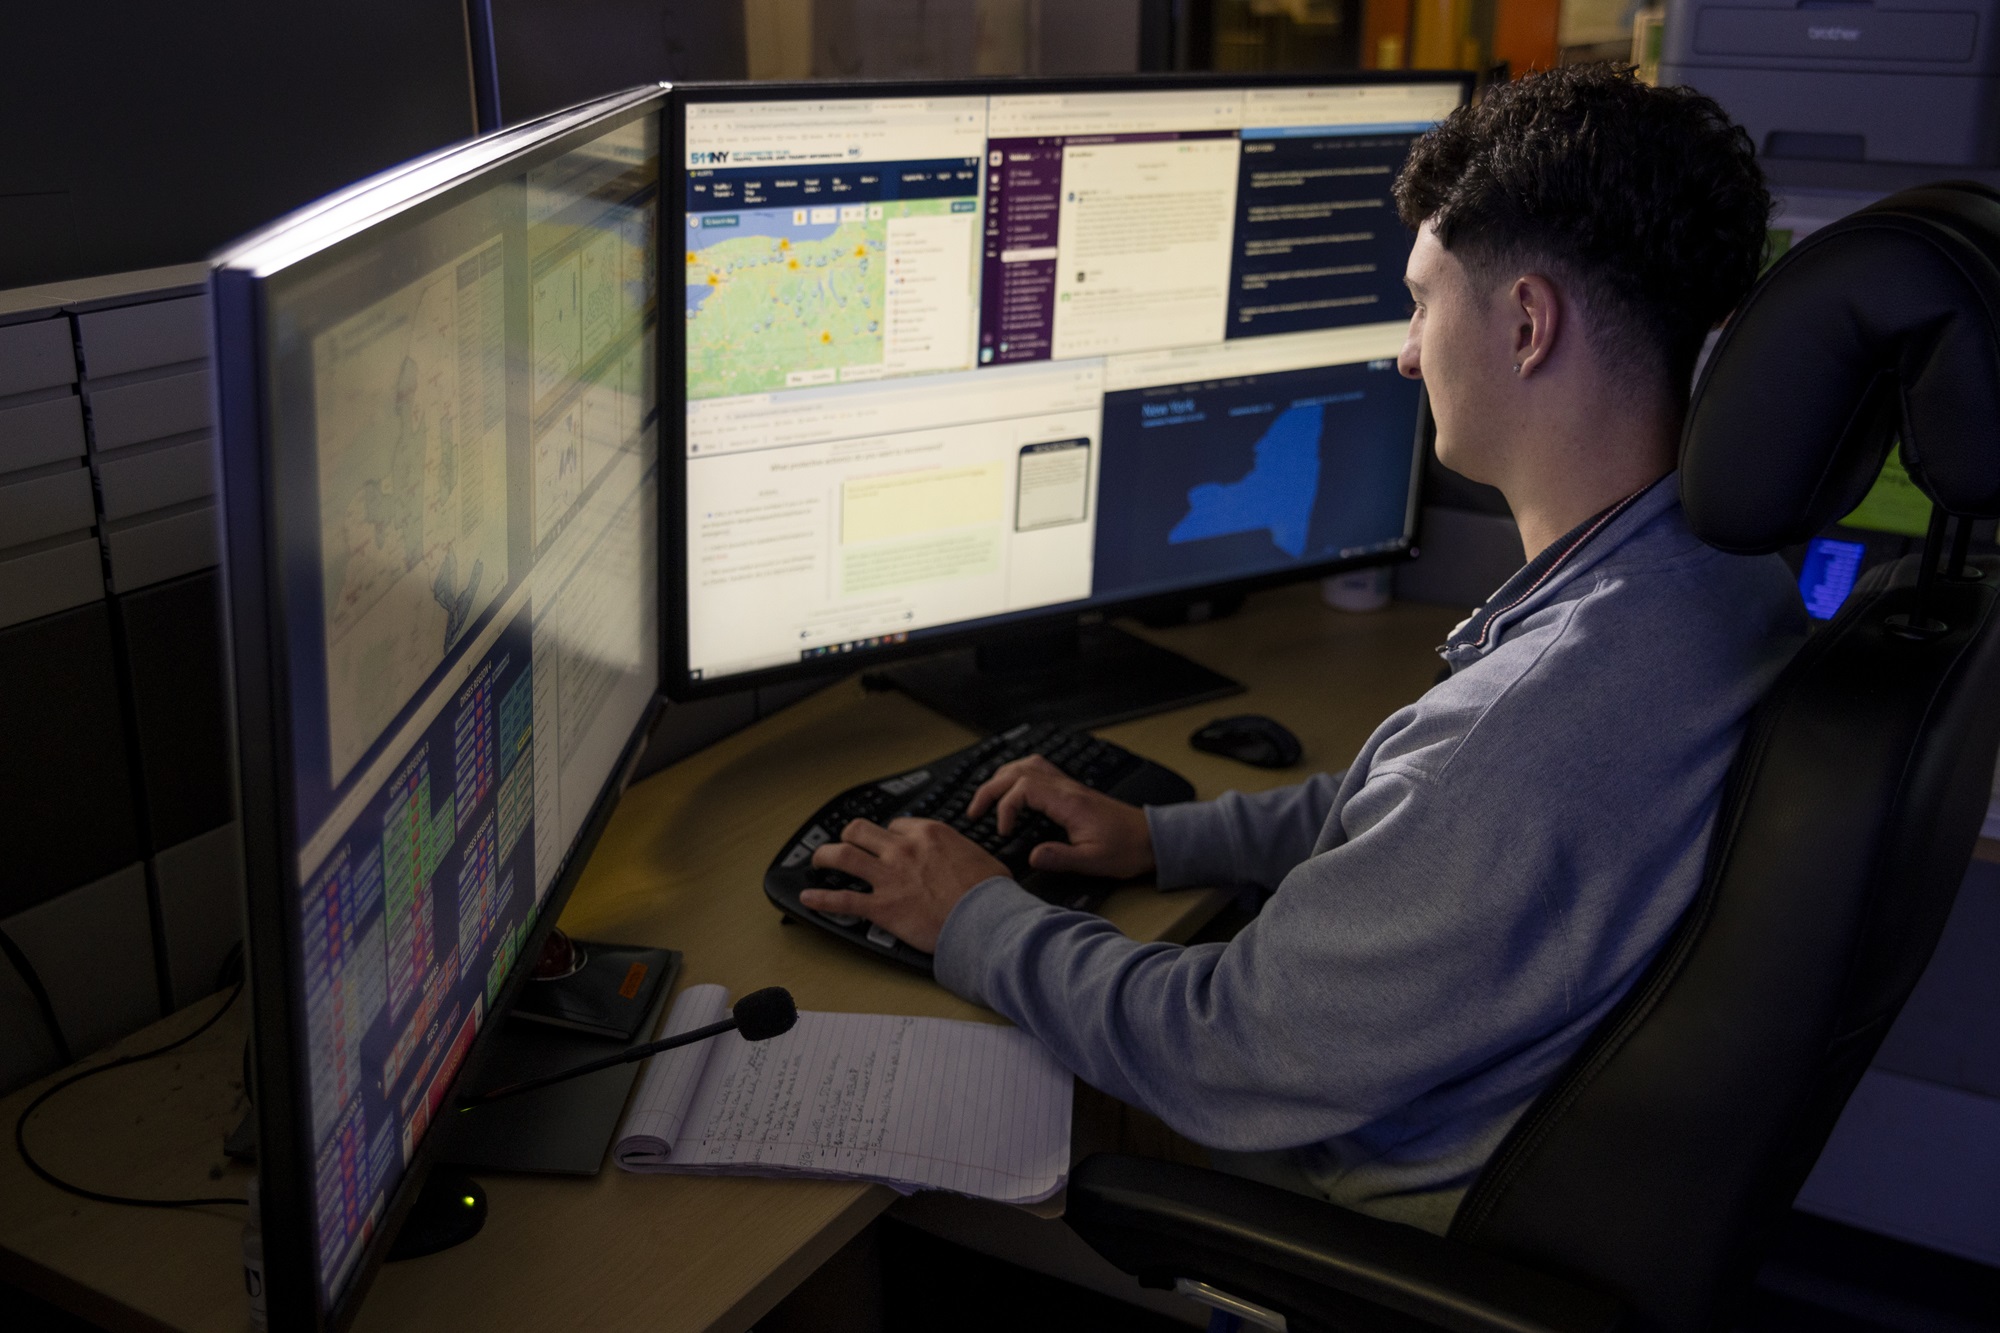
(919, 868)
(1106, 836)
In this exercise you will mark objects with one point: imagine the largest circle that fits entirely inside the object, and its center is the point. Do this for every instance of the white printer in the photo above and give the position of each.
(1887, 81)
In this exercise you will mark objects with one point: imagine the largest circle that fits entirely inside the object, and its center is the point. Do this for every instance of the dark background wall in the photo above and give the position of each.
(140, 134)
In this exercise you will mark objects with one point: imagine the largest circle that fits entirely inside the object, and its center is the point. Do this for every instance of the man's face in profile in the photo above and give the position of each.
(1454, 347)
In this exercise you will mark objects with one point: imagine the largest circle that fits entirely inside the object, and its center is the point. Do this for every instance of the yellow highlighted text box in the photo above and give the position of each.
(952, 555)
(874, 509)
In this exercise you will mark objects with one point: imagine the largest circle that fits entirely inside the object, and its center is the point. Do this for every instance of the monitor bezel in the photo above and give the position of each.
(257, 662)
(675, 666)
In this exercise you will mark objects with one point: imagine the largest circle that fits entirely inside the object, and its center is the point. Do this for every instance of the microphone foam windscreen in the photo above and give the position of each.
(767, 1013)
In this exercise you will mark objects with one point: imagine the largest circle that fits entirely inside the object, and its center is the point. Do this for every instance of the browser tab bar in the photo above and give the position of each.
(816, 414)
(1114, 113)
(1382, 105)
(749, 134)
(1272, 355)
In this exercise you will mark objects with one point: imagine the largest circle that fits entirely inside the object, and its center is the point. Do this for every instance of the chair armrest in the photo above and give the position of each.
(1321, 1265)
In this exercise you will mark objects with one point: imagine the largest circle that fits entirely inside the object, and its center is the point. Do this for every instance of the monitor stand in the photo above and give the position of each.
(565, 1128)
(449, 1211)
(1075, 677)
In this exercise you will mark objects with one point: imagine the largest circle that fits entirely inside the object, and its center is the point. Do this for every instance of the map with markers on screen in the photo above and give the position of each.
(954, 360)
(782, 298)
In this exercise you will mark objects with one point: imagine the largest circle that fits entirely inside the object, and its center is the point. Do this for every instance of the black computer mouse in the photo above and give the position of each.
(1252, 738)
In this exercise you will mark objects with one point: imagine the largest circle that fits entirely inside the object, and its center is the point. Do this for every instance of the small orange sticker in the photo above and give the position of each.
(634, 979)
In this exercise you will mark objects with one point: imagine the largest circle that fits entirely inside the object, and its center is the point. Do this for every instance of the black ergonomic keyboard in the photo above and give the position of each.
(941, 790)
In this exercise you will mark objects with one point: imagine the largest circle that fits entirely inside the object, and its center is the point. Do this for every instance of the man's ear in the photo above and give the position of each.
(1538, 315)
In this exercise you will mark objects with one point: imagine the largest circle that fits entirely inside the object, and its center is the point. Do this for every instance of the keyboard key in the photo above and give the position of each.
(943, 790)
(821, 878)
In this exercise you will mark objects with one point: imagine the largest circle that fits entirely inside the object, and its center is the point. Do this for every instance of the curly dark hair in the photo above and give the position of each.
(1648, 202)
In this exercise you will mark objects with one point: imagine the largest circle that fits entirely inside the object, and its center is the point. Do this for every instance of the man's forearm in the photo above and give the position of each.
(1152, 1024)
(1240, 839)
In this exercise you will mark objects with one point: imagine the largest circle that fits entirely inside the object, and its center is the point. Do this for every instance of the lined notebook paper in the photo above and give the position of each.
(914, 1103)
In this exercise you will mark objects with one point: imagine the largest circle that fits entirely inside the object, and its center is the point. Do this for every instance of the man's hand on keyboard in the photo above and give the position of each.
(919, 868)
(1106, 836)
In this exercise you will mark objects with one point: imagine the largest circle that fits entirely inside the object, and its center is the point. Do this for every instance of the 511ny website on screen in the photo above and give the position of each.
(956, 360)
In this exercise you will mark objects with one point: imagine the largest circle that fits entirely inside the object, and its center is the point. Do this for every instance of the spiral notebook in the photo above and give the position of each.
(912, 1103)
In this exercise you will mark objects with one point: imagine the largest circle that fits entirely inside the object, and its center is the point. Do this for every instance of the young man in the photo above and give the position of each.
(1451, 917)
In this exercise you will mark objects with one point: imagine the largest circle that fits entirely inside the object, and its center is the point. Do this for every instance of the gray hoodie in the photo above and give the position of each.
(1450, 917)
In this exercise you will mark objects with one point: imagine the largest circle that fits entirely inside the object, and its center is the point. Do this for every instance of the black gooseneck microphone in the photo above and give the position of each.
(759, 1016)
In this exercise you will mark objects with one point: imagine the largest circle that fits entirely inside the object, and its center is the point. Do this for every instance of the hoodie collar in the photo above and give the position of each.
(1577, 549)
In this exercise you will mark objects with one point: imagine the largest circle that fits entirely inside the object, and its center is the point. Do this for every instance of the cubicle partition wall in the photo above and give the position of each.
(124, 880)
(122, 884)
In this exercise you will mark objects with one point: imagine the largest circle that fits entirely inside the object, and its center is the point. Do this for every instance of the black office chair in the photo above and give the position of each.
(1639, 1190)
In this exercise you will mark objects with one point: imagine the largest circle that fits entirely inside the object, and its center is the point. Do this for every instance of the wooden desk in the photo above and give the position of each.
(679, 866)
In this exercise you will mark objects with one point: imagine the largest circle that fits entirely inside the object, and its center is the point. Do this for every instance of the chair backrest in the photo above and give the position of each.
(1655, 1166)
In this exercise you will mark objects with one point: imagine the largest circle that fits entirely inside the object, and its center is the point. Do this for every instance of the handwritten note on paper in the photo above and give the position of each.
(916, 1103)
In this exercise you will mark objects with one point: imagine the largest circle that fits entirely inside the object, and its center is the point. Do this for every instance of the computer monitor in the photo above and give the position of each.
(974, 359)
(438, 412)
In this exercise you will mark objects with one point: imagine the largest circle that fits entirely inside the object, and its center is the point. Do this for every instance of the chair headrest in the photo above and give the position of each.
(1881, 326)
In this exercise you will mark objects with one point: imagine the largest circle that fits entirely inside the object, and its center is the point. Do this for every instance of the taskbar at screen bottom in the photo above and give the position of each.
(824, 659)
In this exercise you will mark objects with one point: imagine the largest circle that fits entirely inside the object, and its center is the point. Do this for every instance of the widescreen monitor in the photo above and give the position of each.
(439, 416)
(958, 357)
